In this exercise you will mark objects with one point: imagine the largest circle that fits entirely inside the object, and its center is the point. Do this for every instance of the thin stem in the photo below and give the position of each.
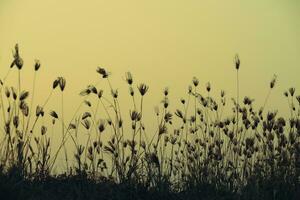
(63, 129)
(237, 101)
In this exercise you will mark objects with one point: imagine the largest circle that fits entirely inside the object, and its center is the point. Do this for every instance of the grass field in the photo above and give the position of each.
(197, 151)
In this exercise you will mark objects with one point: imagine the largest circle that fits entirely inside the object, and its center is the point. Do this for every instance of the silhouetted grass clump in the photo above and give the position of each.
(195, 153)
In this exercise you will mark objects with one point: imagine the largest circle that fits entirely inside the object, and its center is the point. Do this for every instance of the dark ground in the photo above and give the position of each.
(81, 188)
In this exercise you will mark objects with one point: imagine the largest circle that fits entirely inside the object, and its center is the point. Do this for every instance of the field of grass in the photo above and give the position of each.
(197, 152)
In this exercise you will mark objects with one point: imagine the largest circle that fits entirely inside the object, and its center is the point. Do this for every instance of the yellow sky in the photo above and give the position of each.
(162, 42)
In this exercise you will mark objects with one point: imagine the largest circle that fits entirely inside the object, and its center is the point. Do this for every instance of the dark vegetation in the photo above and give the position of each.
(195, 153)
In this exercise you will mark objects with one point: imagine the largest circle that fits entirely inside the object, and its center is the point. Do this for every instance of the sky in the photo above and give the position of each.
(163, 43)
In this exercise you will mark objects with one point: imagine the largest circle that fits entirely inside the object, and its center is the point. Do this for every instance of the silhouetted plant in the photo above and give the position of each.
(195, 148)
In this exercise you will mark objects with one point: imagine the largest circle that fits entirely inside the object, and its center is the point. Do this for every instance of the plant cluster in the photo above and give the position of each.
(195, 148)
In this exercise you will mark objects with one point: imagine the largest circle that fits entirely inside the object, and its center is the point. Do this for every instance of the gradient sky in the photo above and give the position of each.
(162, 42)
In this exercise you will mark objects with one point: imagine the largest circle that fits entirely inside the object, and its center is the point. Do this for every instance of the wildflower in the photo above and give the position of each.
(195, 81)
(88, 103)
(120, 123)
(208, 87)
(129, 79)
(271, 115)
(37, 65)
(7, 128)
(18, 61)
(85, 115)
(85, 92)
(39, 111)
(237, 62)
(80, 150)
(16, 121)
(281, 122)
(135, 116)
(100, 94)
(298, 99)
(14, 93)
(179, 113)
(62, 83)
(102, 72)
(43, 130)
(7, 92)
(24, 108)
(156, 110)
(95, 144)
(93, 89)
(165, 102)
(110, 148)
(166, 91)
(168, 117)
(131, 91)
(86, 123)
(101, 126)
(273, 81)
(182, 101)
(173, 140)
(215, 106)
(114, 93)
(222, 93)
(125, 143)
(292, 91)
(143, 88)
(90, 150)
(23, 95)
(162, 129)
(72, 126)
(190, 89)
(54, 114)
(248, 101)
(193, 119)
(55, 83)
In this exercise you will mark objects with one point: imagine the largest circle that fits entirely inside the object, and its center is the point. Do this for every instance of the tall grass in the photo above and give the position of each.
(195, 149)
